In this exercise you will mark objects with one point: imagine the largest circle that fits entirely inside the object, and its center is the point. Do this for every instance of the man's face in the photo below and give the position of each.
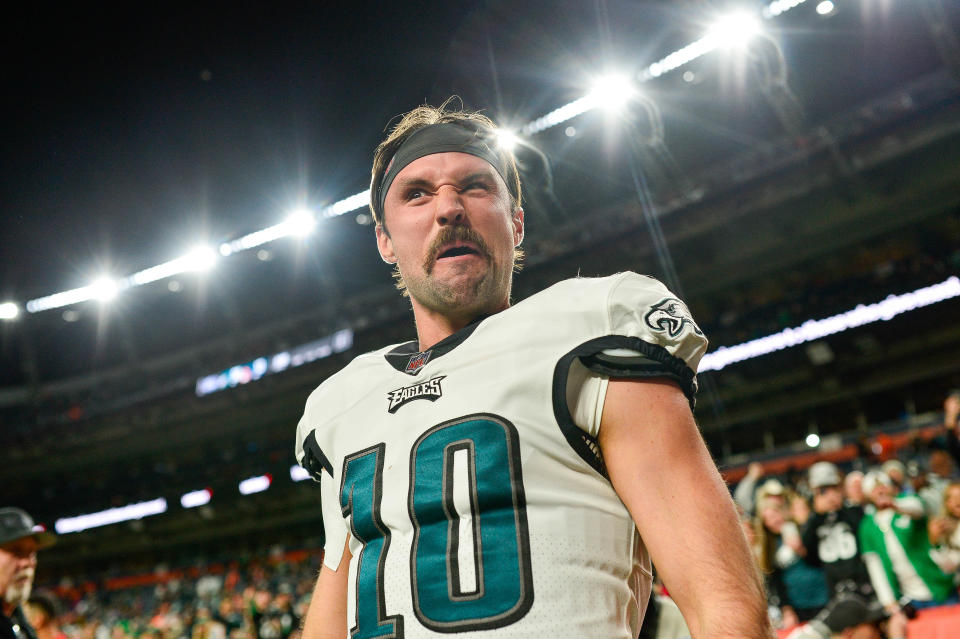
(450, 228)
(940, 463)
(19, 559)
(882, 496)
(828, 498)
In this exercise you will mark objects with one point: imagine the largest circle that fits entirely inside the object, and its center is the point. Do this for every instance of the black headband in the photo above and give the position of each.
(443, 138)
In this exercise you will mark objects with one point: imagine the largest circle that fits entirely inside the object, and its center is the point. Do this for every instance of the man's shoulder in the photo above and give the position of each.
(362, 366)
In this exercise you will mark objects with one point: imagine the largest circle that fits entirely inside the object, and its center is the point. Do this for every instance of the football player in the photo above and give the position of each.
(513, 470)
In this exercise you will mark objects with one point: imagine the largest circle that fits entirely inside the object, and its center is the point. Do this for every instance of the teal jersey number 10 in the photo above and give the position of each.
(470, 558)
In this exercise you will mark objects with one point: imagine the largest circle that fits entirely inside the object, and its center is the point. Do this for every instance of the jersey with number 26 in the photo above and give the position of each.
(468, 480)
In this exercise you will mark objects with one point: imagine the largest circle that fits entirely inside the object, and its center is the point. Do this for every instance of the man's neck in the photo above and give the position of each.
(433, 327)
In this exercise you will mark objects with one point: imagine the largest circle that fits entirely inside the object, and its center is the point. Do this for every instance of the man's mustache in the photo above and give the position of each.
(449, 234)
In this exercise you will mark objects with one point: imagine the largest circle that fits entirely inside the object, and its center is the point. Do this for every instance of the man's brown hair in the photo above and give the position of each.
(424, 116)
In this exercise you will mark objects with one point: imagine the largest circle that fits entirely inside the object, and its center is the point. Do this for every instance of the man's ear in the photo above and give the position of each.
(385, 245)
(518, 227)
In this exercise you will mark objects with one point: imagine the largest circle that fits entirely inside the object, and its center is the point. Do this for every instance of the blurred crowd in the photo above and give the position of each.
(887, 533)
(253, 600)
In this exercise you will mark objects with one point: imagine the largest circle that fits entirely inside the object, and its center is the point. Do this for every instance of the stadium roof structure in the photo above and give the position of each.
(775, 160)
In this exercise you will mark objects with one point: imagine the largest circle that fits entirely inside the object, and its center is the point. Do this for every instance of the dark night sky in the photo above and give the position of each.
(132, 134)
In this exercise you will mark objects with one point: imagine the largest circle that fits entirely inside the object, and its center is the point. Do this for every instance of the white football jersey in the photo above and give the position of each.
(474, 501)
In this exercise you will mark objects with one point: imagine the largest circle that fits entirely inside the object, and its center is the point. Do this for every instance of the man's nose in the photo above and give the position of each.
(449, 206)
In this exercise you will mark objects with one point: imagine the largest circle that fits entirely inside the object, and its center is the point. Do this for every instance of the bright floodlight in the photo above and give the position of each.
(611, 91)
(735, 30)
(300, 222)
(196, 498)
(9, 311)
(298, 473)
(256, 484)
(813, 440)
(104, 289)
(507, 139)
(202, 258)
(825, 8)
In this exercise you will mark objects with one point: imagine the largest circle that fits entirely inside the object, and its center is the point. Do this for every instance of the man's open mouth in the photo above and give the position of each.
(457, 251)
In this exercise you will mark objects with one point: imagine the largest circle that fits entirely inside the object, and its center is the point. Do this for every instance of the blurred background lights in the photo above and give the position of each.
(298, 473)
(256, 484)
(826, 8)
(777, 7)
(9, 311)
(196, 498)
(813, 440)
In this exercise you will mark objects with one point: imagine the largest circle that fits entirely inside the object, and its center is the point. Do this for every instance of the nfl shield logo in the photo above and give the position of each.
(417, 361)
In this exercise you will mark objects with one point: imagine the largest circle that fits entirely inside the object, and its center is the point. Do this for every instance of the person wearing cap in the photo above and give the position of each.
(514, 468)
(853, 617)
(20, 539)
(896, 549)
(830, 535)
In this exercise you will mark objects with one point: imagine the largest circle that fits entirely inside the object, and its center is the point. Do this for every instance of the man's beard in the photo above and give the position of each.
(18, 592)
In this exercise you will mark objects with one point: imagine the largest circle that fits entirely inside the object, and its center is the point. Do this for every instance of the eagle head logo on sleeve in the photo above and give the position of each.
(669, 316)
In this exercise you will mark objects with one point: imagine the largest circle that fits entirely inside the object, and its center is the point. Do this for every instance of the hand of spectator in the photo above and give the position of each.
(938, 528)
(788, 618)
(897, 626)
(951, 410)
(755, 470)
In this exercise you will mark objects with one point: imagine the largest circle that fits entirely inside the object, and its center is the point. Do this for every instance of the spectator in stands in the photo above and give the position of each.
(896, 549)
(743, 494)
(830, 535)
(853, 488)
(42, 611)
(944, 532)
(798, 589)
(897, 473)
(852, 617)
(951, 416)
(20, 540)
(940, 472)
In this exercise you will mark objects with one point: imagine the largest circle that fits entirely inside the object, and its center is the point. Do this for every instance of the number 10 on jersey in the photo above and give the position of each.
(470, 558)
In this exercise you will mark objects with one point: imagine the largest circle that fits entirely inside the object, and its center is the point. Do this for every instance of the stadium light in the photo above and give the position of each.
(104, 289)
(256, 484)
(298, 473)
(813, 440)
(735, 29)
(507, 139)
(826, 8)
(9, 311)
(300, 222)
(201, 258)
(196, 498)
(611, 91)
(111, 516)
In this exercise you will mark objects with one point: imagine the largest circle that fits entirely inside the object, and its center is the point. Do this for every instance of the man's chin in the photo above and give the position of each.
(17, 595)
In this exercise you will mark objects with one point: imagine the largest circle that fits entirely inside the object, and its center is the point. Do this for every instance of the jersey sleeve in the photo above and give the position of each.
(635, 328)
(651, 334)
(312, 458)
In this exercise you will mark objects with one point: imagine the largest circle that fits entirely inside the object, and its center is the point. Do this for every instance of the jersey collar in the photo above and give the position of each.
(407, 358)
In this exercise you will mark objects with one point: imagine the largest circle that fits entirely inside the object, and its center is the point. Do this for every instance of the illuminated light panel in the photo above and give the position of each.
(347, 204)
(777, 7)
(256, 484)
(826, 8)
(111, 516)
(813, 440)
(256, 238)
(9, 311)
(734, 30)
(253, 370)
(611, 91)
(196, 498)
(811, 330)
(298, 473)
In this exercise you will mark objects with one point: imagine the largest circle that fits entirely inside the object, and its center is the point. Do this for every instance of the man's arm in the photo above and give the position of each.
(661, 469)
(326, 616)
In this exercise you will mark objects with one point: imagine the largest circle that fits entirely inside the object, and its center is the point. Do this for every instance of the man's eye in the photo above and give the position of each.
(477, 185)
(414, 194)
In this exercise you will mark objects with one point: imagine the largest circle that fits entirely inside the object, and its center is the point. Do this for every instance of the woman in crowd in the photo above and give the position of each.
(944, 531)
(795, 587)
